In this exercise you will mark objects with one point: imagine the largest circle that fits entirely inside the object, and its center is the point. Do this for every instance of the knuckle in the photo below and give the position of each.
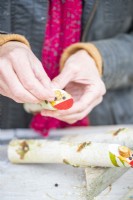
(15, 53)
(98, 89)
(12, 54)
(96, 93)
(41, 77)
(3, 64)
(17, 94)
(35, 101)
(103, 89)
(39, 64)
(72, 66)
(18, 101)
(100, 100)
(29, 85)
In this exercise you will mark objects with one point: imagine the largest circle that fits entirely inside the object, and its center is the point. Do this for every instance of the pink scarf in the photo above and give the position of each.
(62, 29)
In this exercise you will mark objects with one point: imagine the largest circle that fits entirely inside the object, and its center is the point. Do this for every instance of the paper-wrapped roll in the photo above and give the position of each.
(78, 155)
(63, 101)
(123, 136)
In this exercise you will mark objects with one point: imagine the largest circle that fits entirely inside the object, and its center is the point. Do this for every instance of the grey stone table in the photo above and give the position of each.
(57, 182)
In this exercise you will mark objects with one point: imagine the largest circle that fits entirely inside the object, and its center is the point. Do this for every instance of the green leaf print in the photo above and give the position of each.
(113, 159)
(122, 161)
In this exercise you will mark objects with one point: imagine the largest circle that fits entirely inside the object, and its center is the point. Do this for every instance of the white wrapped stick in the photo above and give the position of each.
(78, 155)
(123, 136)
(62, 101)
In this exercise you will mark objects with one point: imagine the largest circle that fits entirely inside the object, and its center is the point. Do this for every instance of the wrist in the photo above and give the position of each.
(15, 44)
(89, 48)
(4, 38)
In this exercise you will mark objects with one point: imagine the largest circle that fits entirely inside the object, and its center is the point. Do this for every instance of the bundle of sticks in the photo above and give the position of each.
(87, 153)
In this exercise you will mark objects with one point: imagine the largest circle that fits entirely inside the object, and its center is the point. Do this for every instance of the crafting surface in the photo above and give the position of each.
(57, 182)
(40, 182)
(119, 188)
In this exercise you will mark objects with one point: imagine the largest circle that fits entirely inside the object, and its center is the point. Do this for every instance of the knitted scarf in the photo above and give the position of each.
(62, 29)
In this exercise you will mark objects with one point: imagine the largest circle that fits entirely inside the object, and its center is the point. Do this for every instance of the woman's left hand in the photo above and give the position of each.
(81, 79)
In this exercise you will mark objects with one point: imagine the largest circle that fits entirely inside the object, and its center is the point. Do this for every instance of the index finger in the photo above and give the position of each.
(86, 100)
(25, 74)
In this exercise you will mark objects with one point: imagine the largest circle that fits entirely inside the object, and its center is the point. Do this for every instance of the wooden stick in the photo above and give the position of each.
(78, 155)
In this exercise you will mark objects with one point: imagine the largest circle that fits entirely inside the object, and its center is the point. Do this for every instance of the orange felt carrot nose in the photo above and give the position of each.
(64, 105)
(131, 163)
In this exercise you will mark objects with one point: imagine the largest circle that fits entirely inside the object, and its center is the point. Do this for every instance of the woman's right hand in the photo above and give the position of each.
(22, 77)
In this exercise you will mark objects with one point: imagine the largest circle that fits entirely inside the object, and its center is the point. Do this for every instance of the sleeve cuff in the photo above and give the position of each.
(4, 38)
(89, 47)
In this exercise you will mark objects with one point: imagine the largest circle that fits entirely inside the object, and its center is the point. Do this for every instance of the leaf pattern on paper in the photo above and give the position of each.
(113, 159)
(122, 161)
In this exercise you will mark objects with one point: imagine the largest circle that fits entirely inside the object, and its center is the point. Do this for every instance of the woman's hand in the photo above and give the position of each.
(22, 76)
(81, 79)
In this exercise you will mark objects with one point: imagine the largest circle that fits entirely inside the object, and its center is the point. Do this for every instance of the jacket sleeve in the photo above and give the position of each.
(117, 56)
(5, 37)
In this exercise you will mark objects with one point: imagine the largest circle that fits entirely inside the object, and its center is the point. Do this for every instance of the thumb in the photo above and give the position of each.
(62, 79)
